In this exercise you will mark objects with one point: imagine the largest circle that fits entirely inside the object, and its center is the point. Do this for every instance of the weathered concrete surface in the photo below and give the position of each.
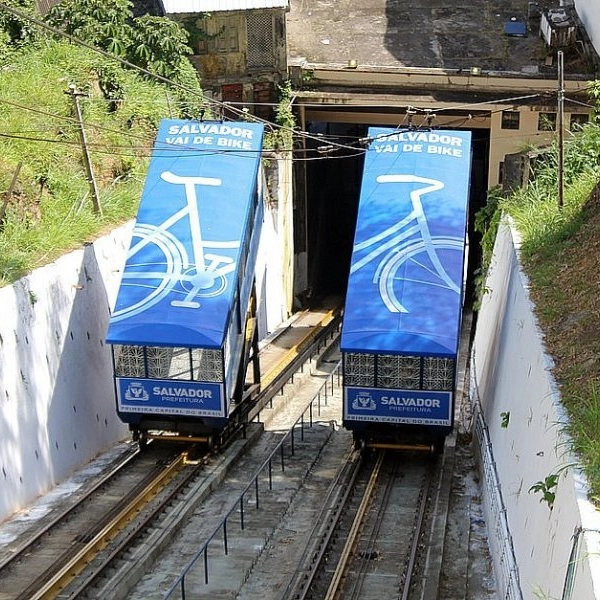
(57, 407)
(420, 33)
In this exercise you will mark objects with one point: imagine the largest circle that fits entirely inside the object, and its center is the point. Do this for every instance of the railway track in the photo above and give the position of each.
(69, 557)
(48, 561)
(379, 529)
(327, 505)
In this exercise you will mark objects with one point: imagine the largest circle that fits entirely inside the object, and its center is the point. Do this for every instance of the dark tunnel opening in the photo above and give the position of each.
(333, 180)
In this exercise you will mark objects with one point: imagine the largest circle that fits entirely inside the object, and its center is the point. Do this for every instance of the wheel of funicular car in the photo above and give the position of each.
(142, 439)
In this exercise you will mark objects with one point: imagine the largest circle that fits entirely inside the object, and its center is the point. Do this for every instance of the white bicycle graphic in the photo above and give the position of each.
(409, 243)
(164, 266)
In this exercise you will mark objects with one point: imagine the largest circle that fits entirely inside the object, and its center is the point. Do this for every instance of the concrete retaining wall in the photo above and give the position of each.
(589, 13)
(539, 551)
(56, 395)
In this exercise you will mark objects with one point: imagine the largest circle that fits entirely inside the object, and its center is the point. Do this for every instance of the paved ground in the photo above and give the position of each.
(421, 33)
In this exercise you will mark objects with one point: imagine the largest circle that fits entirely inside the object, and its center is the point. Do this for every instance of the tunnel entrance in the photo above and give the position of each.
(327, 203)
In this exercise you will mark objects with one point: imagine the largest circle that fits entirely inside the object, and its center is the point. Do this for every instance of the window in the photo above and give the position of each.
(547, 121)
(150, 362)
(222, 37)
(511, 119)
(261, 46)
(578, 120)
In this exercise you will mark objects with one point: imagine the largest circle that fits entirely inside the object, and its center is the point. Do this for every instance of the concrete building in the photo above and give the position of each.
(239, 47)
(482, 67)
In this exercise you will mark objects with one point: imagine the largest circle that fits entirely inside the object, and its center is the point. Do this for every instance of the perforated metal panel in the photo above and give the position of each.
(359, 369)
(438, 373)
(261, 46)
(159, 361)
(207, 365)
(399, 372)
(169, 363)
(129, 361)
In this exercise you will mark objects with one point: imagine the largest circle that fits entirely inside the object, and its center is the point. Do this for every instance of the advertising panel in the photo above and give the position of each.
(182, 266)
(405, 288)
(412, 407)
(170, 397)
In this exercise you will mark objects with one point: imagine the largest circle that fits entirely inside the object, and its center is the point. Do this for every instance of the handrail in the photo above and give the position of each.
(203, 550)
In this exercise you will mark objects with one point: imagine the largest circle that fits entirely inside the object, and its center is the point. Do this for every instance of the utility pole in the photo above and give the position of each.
(72, 91)
(559, 125)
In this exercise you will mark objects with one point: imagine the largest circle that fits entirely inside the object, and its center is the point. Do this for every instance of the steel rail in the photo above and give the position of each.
(81, 558)
(287, 364)
(20, 550)
(89, 550)
(324, 529)
(374, 534)
(414, 547)
(355, 529)
(88, 581)
(309, 342)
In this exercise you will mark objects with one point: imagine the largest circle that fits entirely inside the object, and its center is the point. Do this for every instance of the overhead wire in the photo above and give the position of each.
(410, 110)
(220, 105)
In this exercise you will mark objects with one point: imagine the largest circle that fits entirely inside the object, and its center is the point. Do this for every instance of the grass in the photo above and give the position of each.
(50, 210)
(560, 253)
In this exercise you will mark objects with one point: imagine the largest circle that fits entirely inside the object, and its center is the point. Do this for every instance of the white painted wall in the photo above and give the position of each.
(274, 269)
(56, 396)
(57, 407)
(589, 13)
(511, 374)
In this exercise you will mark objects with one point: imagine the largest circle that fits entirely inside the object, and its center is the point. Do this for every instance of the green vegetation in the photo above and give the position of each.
(134, 73)
(282, 137)
(560, 249)
(547, 489)
(50, 210)
(46, 206)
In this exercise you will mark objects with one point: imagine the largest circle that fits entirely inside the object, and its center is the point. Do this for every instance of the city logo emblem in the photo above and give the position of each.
(135, 392)
(364, 401)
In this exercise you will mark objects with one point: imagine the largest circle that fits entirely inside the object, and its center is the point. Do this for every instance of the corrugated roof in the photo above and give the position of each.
(211, 6)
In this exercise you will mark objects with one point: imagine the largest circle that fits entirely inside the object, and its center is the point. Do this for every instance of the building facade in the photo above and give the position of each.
(239, 48)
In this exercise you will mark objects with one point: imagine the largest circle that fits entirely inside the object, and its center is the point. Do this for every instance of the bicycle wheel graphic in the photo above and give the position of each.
(154, 264)
(202, 283)
(419, 262)
(158, 266)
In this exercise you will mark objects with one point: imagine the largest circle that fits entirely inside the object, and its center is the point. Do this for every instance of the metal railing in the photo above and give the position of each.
(320, 399)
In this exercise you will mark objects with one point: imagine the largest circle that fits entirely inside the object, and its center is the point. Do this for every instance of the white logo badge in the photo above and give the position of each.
(364, 401)
(136, 392)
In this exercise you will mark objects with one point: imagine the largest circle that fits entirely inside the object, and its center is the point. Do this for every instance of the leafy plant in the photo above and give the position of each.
(101, 23)
(487, 220)
(282, 139)
(49, 212)
(17, 31)
(156, 44)
(505, 416)
(547, 488)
